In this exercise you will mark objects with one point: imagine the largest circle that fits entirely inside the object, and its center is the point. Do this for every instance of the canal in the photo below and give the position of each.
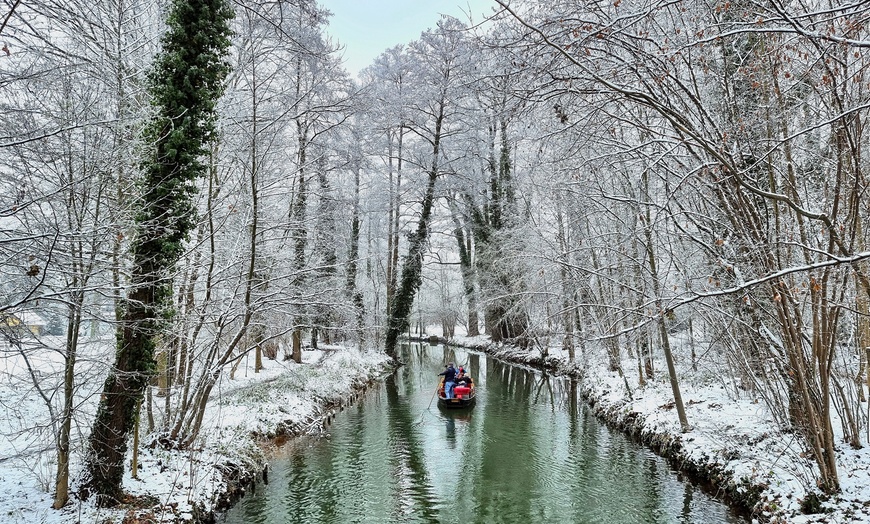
(528, 452)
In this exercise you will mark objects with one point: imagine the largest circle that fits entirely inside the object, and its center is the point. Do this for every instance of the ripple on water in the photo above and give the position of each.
(525, 454)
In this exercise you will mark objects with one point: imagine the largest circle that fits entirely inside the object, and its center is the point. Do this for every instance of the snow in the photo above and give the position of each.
(172, 485)
(732, 432)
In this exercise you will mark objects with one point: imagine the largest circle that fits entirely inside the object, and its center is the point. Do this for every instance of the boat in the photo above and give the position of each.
(463, 397)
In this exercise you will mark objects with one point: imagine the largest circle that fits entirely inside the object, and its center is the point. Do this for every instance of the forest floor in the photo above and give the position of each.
(733, 445)
(171, 485)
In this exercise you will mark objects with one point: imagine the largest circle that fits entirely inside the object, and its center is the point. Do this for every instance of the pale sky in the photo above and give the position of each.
(367, 27)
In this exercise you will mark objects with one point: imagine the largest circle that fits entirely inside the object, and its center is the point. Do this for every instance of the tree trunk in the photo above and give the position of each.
(568, 308)
(393, 216)
(662, 320)
(862, 304)
(61, 492)
(134, 467)
(297, 345)
(466, 265)
(164, 219)
(353, 254)
(122, 391)
(412, 278)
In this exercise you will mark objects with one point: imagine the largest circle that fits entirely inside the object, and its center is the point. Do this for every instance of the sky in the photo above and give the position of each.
(368, 27)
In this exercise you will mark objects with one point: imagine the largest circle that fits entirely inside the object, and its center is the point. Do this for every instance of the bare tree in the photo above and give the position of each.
(439, 54)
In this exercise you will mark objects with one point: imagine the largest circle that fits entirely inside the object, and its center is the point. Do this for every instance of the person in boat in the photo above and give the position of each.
(449, 375)
(463, 379)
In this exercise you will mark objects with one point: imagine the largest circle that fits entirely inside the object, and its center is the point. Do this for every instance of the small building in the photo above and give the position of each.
(23, 322)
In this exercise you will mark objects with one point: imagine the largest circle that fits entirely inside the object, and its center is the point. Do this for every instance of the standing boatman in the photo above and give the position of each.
(449, 380)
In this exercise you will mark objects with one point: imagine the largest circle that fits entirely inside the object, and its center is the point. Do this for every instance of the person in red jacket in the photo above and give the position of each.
(462, 379)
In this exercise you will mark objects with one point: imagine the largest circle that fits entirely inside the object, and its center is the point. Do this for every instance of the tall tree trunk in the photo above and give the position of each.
(394, 214)
(166, 215)
(123, 389)
(353, 291)
(300, 232)
(568, 307)
(253, 274)
(466, 266)
(412, 269)
(61, 492)
(662, 320)
(863, 325)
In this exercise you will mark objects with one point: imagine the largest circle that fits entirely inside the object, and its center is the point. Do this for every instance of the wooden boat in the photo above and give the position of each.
(463, 397)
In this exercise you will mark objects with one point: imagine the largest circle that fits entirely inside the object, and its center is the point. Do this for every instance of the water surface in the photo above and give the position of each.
(528, 452)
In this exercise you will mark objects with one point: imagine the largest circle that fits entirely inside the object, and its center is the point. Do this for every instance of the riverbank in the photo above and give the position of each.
(733, 446)
(191, 485)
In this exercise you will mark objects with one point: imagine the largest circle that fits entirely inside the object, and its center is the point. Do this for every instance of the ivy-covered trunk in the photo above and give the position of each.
(412, 268)
(186, 82)
(501, 283)
(121, 393)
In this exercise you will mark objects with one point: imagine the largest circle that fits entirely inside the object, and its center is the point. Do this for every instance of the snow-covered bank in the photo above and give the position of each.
(190, 485)
(733, 445)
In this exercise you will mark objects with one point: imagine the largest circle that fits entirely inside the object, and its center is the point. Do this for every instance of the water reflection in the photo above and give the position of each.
(528, 452)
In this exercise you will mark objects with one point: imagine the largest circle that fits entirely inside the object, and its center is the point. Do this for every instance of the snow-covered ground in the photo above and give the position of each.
(172, 485)
(732, 434)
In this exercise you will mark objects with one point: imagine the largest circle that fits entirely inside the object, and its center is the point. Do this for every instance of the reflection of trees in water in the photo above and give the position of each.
(535, 387)
(452, 418)
(539, 435)
(507, 474)
(686, 515)
(303, 498)
(529, 452)
(407, 457)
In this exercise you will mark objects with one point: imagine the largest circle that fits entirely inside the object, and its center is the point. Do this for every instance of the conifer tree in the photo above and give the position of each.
(185, 83)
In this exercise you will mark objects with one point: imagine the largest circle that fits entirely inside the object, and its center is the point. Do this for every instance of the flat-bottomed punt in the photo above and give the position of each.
(463, 397)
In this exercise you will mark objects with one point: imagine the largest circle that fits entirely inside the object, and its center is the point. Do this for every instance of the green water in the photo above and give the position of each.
(528, 452)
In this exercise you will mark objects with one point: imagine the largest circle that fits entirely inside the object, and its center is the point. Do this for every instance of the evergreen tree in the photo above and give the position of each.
(186, 82)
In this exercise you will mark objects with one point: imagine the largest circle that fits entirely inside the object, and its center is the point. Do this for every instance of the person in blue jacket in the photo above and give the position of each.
(449, 380)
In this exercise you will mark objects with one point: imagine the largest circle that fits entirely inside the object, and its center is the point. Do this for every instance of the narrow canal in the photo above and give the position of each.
(528, 452)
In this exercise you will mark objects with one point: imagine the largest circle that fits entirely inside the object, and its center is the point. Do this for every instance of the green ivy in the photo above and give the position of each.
(186, 81)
